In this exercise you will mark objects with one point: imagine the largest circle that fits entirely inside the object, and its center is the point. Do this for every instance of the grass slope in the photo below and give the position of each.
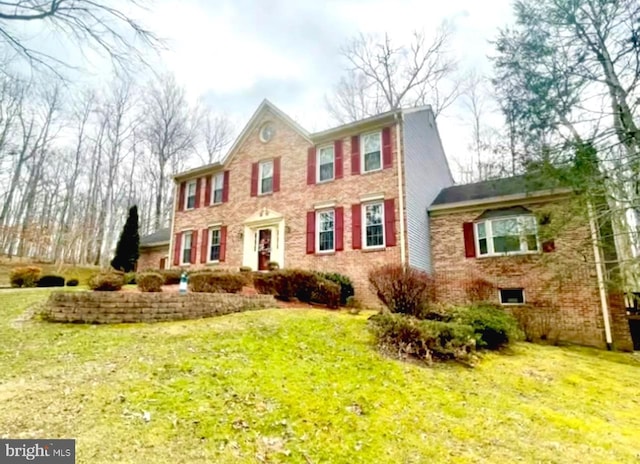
(303, 386)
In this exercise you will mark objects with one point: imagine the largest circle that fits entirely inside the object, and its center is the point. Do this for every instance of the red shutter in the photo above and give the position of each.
(339, 228)
(356, 227)
(254, 179)
(311, 166)
(183, 186)
(207, 191)
(276, 174)
(223, 243)
(225, 187)
(549, 246)
(339, 163)
(355, 155)
(469, 240)
(198, 185)
(194, 246)
(389, 223)
(204, 246)
(387, 159)
(311, 232)
(176, 249)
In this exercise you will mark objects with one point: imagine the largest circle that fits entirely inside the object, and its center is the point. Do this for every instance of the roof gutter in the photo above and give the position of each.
(350, 127)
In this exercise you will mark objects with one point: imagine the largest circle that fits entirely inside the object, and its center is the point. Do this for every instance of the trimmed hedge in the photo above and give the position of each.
(26, 276)
(51, 280)
(217, 282)
(106, 282)
(346, 285)
(150, 282)
(406, 336)
(305, 286)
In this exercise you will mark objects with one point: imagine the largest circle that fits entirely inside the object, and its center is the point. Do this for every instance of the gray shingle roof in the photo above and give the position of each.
(494, 188)
(159, 237)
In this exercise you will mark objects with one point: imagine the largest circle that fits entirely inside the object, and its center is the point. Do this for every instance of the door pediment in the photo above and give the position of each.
(263, 216)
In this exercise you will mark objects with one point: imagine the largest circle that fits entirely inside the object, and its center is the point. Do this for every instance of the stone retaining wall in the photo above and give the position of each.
(116, 307)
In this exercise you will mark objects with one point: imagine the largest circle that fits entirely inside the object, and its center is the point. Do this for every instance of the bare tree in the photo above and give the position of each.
(99, 25)
(218, 134)
(384, 76)
(169, 133)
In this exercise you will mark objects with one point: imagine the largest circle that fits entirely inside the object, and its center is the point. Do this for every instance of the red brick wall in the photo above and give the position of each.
(150, 257)
(293, 201)
(566, 278)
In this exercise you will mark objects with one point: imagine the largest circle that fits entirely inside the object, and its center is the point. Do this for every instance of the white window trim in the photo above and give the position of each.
(213, 188)
(364, 226)
(524, 297)
(182, 248)
(333, 175)
(186, 194)
(209, 240)
(489, 237)
(333, 250)
(362, 152)
(261, 165)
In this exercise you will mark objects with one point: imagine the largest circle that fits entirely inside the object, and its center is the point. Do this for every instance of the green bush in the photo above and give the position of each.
(327, 293)
(51, 280)
(346, 286)
(403, 289)
(494, 328)
(150, 282)
(217, 282)
(72, 283)
(27, 276)
(407, 336)
(130, 278)
(106, 281)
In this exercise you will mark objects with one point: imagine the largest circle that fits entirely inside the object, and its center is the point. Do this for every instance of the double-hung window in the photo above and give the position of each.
(265, 177)
(326, 163)
(372, 151)
(507, 235)
(186, 247)
(218, 187)
(214, 245)
(325, 230)
(373, 229)
(190, 197)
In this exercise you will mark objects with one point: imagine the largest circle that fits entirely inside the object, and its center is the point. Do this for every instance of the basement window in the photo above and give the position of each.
(512, 296)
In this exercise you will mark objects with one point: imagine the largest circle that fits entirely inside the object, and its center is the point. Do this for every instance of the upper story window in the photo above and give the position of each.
(326, 163)
(214, 245)
(372, 151)
(373, 229)
(186, 247)
(190, 197)
(218, 188)
(265, 176)
(507, 235)
(326, 230)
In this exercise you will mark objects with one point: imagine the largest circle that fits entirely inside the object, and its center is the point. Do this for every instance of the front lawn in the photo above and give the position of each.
(303, 386)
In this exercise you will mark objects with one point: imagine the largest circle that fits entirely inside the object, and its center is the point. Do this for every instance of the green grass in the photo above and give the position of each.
(68, 271)
(303, 386)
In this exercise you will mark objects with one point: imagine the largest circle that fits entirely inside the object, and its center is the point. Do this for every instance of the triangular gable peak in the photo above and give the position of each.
(265, 108)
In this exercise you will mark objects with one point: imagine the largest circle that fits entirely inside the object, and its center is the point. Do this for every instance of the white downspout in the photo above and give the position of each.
(176, 195)
(600, 277)
(403, 259)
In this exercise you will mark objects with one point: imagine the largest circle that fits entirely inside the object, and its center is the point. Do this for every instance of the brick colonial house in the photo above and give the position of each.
(374, 192)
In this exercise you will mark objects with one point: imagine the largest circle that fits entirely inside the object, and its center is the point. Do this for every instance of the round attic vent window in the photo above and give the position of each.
(266, 132)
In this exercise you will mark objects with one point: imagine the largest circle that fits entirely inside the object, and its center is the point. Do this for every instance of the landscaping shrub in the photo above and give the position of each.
(106, 282)
(150, 282)
(273, 265)
(346, 286)
(406, 336)
(327, 293)
(403, 289)
(217, 282)
(27, 276)
(245, 269)
(72, 283)
(130, 278)
(51, 280)
(265, 283)
(171, 276)
(354, 303)
(480, 290)
(494, 328)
